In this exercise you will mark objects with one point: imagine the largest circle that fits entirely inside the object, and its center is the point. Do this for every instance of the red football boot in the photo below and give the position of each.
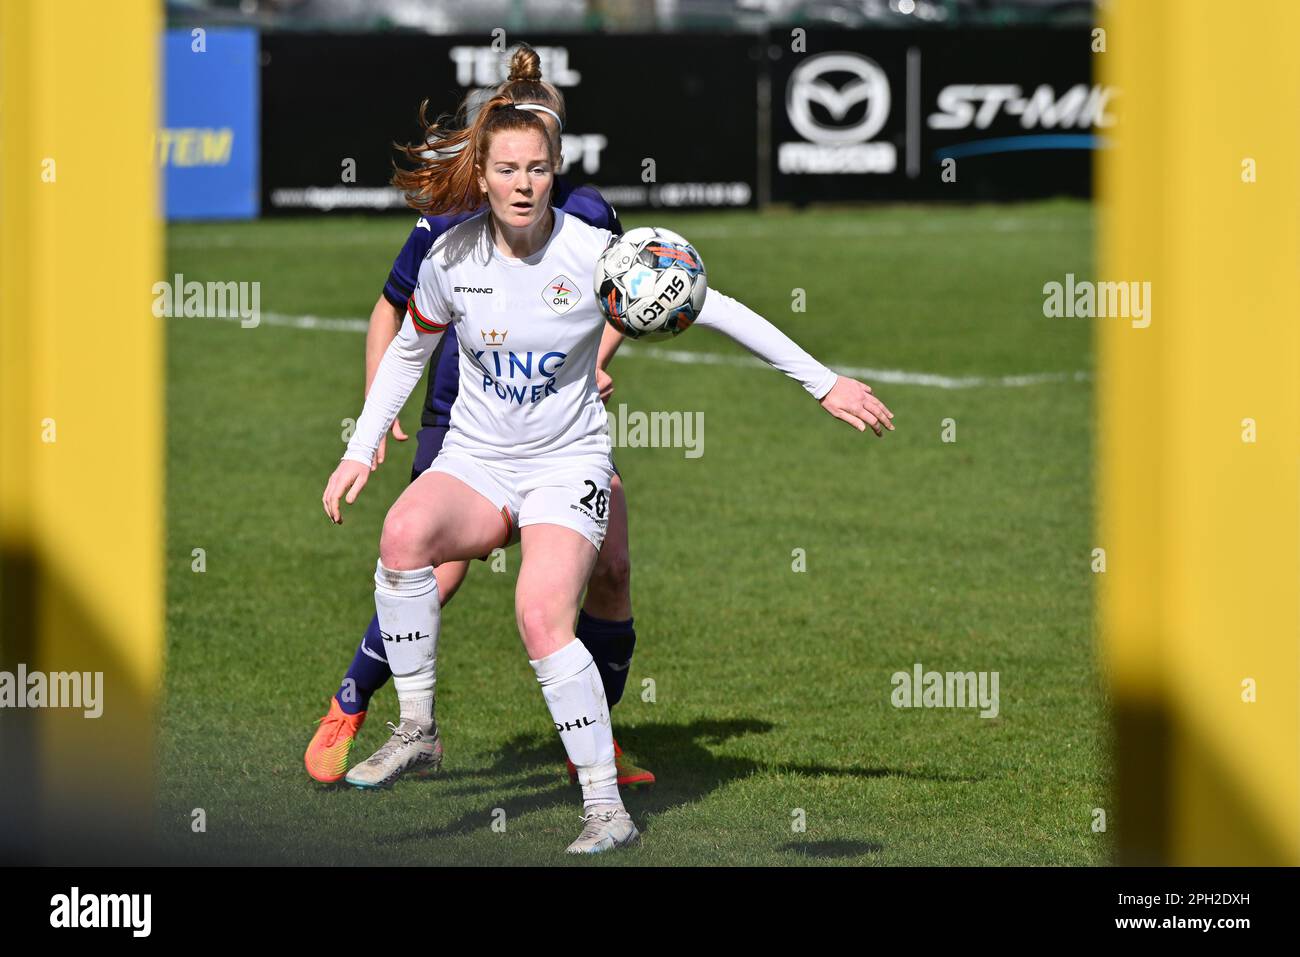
(629, 775)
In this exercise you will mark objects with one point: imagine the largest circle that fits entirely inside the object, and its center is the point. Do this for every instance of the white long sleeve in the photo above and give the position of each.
(399, 371)
(428, 313)
(738, 322)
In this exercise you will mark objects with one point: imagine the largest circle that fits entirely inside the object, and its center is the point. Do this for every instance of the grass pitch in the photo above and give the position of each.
(760, 695)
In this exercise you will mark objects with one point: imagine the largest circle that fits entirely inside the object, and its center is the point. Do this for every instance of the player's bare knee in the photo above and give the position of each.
(538, 625)
(403, 543)
(613, 572)
(534, 619)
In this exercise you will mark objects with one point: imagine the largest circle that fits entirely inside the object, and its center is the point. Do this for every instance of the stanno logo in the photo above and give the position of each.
(561, 294)
(480, 290)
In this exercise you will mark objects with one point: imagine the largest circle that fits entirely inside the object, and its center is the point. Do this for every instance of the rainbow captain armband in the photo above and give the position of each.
(421, 323)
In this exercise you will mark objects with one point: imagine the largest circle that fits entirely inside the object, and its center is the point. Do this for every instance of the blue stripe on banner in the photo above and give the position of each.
(1020, 144)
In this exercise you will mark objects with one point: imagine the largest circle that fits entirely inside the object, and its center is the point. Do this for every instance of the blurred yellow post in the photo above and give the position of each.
(81, 427)
(1199, 430)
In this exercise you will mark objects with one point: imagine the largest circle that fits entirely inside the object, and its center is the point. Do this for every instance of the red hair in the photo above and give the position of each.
(446, 163)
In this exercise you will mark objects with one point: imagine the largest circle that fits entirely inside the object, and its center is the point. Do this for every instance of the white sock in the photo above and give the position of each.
(576, 698)
(414, 706)
(409, 618)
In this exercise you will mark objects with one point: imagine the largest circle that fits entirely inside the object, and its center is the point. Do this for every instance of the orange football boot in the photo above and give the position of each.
(629, 775)
(327, 754)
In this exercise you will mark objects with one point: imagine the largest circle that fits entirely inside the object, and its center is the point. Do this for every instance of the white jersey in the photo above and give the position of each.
(528, 331)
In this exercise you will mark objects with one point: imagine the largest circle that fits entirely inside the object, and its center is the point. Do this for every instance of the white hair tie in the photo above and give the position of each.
(538, 108)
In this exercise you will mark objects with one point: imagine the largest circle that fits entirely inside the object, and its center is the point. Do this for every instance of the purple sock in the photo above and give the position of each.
(367, 674)
(610, 644)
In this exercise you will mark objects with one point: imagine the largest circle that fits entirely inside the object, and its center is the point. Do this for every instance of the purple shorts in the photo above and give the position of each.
(428, 443)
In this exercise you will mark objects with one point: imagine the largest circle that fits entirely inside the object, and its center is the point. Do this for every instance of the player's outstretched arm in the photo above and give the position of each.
(846, 399)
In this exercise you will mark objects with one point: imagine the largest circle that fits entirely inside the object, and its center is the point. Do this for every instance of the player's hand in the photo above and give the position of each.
(605, 383)
(350, 478)
(853, 402)
(383, 443)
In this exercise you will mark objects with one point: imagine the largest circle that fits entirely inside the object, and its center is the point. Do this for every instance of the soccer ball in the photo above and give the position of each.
(650, 283)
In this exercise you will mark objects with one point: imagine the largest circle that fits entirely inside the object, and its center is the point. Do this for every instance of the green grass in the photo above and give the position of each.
(772, 688)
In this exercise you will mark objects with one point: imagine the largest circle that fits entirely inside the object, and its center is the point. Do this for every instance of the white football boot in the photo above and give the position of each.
(604, 829)
(410, 748)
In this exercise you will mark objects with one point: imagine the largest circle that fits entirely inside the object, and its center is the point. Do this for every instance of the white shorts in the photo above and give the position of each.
(573, 493)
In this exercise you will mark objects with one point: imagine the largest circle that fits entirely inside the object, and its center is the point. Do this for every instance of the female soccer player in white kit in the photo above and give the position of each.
(528, 444)
(528, 451)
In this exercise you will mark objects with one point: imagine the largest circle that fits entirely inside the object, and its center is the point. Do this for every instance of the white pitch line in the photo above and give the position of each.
(316, 322)
(683, 357)
(891, 376)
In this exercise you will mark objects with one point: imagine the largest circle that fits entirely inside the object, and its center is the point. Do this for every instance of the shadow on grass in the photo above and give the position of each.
(832, 849)
(677, 753)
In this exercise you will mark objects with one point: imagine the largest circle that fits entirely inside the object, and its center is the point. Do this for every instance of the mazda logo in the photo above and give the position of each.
(867, 84)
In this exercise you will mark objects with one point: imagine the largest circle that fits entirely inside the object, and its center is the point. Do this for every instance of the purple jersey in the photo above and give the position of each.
(583, 202)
